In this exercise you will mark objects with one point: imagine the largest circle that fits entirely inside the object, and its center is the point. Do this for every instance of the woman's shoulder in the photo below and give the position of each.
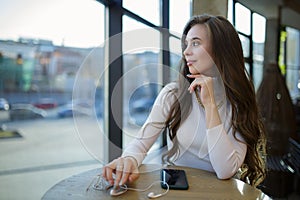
(171, 86)
(168, 92)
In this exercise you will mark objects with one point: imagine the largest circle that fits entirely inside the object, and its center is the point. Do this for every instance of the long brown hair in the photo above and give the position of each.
(227, 54)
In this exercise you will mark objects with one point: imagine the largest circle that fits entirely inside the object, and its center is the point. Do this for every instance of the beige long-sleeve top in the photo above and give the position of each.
(213, 149)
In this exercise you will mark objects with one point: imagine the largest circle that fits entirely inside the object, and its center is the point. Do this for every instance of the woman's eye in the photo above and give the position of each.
(195, 43)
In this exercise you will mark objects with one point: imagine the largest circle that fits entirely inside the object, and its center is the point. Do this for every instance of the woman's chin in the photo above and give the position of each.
(194, 73)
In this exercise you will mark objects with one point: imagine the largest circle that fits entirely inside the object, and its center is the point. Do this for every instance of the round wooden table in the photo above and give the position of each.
(202, 185)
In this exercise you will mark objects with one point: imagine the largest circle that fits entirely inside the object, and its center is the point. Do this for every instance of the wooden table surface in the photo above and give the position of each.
(202, 185)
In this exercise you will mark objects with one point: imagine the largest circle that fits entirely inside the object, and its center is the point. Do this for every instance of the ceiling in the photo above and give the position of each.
(271, 8)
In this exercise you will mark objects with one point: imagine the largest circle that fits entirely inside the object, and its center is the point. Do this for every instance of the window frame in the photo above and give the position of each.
(115, 11)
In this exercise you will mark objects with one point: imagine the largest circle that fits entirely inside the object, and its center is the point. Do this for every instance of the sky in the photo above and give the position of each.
(77, 23)
(80, 23)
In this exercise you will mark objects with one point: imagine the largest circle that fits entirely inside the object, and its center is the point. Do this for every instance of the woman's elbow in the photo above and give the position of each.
(226, 173)
(224, 176)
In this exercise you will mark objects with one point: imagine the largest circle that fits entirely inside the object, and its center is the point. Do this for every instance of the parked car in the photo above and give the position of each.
(78, 107)
(139, 110)
(26, 111)
(65, 111)
(45, 103)
(141, 102)
(4, 105)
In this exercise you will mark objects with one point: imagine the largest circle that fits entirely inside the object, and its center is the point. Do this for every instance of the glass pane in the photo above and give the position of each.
(175, 57)
(259, 31)
(242, 18)
(229, 11)
(177, 22)
(293, 62)
(147, 9)
(49, 21)
(247, 66)
(293, 84)
(246, 45)
(257, 73)
(44, 128)
(259, 28)
(142, 75)
(137, 36)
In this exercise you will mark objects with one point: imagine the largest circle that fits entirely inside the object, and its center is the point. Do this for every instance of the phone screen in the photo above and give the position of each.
(175, 178)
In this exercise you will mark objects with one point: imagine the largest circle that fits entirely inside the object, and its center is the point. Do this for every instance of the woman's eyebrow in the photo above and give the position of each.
(196, 38)
(192, 39)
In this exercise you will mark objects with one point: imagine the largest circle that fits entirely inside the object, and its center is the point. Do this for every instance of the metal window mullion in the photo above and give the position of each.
(115, 84)
(165, 50)
(165, 40)
(251, 46)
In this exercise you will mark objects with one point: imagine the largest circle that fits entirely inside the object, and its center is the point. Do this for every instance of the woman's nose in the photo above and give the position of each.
(187, 51)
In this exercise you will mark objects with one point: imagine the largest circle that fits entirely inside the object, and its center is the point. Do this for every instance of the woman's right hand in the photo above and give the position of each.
(206, 88)
(124, 168)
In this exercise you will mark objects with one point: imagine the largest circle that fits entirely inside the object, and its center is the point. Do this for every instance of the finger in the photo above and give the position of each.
(193, 75)
(129, 165)
(125, 177)
(194, 86)
(119, 172)
(104, 169)
(108, 175)
(133, 177)
(108, 171)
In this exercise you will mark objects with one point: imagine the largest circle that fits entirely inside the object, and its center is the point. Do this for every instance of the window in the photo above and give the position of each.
(46, 50)
(251, 29)
(245, 45)
(141, 63)
(147, 9)
(292, 40)
(175, 56)
(57, 69)
(230, 11)
(178, 21)
(242, 19)
(259, 30)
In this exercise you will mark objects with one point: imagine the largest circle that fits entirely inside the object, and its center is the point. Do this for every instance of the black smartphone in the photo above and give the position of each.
(175, 178)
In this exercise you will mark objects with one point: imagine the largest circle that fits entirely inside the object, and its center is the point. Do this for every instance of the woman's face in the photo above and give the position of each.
(198, 50)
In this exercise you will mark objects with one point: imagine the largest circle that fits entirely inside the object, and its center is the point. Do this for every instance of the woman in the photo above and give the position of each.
(210, 112)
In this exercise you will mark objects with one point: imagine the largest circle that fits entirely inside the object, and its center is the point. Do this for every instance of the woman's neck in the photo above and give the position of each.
(219, 89)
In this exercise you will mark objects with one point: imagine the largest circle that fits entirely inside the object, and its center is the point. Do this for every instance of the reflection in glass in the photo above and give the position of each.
(142, 74)
(87, 104)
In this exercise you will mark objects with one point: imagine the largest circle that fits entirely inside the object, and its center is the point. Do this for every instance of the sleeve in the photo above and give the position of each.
(153, 126)
(225, 152)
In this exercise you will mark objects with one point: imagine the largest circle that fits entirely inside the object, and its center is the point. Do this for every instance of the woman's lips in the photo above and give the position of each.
(190, 63)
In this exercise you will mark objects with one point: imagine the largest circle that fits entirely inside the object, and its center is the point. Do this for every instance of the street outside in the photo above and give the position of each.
(48, 151)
